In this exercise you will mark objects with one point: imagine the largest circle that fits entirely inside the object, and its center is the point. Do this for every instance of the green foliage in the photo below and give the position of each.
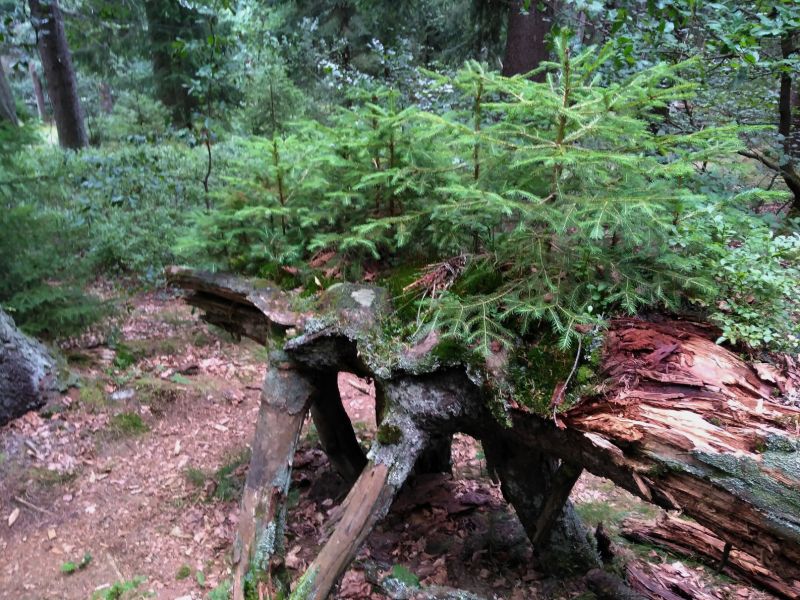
(565, 199)
(572, 200)
(68, 568)
(543, 205)
(40, 278)
(756, 274)
(135, 118)
(221, 592)
(404, 576)
(121, 590)
(71, 216)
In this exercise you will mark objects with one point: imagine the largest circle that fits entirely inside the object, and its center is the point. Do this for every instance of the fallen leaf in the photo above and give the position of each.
(12, 518)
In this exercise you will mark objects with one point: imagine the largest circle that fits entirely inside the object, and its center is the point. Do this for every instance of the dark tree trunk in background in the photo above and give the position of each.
(59, 73)
(789, 123)
(38, 93)
(525, 42)
(8, 110)
(168, 20)
(106, 98)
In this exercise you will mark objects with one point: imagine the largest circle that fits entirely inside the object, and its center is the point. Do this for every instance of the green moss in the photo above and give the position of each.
(154, 347)
(183, 572)
(272, 275)
(389, 434)
(127, 424)
(405, 303)
(534, 373)
(93, 396)
(51, 478)
(221, 592)
(125, 356)
(479, 278)
(404, 576)
(584, 374)
(155, 392)
(305, 586)
(450, 351)
(78, 358)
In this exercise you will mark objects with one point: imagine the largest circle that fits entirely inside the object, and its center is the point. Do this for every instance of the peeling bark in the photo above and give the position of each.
(691, 539)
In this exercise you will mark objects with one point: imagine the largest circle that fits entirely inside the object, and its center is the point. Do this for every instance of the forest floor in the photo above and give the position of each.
(128, 486)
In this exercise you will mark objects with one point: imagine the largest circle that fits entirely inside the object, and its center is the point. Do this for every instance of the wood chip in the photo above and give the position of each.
(12, 518)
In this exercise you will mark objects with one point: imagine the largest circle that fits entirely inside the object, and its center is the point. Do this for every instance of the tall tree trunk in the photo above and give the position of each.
(59, 73)
(788, 123)
(8, 110)
(166, 21)
(525, 41)
(38, 93)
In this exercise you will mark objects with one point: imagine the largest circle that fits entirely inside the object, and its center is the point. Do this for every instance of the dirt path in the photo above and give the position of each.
(140, 469)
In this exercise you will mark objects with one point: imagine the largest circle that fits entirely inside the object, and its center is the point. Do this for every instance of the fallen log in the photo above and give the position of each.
(688, 425)
(670, 416)
(665, 582)
(687, 538)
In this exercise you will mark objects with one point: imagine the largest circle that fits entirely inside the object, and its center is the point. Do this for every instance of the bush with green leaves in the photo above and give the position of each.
(755, 272)
(134, 200)
(41, 276)
(135, 118)
(69, 217)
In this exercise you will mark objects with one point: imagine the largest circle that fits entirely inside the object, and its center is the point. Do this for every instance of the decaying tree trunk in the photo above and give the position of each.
(688, 538)
(675, 419)
(285, 399)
